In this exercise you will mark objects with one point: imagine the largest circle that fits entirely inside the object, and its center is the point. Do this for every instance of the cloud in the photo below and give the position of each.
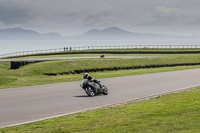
(162, 15)
(73, 17)
(1, 24)
(15, 12)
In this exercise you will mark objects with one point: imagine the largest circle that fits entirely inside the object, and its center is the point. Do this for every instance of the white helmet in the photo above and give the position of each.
(85, 75)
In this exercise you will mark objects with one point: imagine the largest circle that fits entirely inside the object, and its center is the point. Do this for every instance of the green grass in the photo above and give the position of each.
(70, 65)
(178, 112)
(33, 74)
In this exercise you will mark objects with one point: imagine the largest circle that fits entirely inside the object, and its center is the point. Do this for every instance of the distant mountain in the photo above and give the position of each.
(22, 34)
(112, 33)
(115, 33)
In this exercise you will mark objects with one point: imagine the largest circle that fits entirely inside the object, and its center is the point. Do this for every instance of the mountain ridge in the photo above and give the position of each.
(111, 33)
(23, 34)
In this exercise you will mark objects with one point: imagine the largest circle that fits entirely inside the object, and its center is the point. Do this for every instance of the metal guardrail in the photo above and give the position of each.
(100, 47)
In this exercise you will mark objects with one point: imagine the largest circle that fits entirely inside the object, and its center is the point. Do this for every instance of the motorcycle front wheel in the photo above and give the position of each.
(89, 91)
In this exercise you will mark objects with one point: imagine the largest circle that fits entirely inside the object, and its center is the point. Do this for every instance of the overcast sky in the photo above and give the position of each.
(72, 17)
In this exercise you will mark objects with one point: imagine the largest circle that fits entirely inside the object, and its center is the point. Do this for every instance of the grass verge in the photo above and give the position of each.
(59, 66)
(177, 112)
(33, 74)
(23, 80)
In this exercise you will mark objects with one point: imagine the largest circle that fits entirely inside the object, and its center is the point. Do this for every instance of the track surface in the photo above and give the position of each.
(64, 58)
(28, 104)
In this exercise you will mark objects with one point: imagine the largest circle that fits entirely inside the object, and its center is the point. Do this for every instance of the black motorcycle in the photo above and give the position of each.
(93, 89)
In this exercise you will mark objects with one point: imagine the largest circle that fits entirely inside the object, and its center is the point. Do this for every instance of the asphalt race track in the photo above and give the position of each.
(29, 104)
(64, 58)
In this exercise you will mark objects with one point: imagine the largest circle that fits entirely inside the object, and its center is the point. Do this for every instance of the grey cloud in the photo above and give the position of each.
(96, 19)
(14, 12)
(66, 16)
(162, 15)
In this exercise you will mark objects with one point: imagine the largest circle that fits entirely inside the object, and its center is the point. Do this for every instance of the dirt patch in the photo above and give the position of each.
(73, 63)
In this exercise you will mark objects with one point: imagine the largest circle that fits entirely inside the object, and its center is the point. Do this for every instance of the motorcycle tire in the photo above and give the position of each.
(105, 90)
(89, 91)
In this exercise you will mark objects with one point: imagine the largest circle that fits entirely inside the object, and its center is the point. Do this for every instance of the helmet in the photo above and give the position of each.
(85, 75)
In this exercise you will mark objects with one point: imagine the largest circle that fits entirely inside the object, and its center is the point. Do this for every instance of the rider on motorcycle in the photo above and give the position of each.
(90, 78)
(92, 86)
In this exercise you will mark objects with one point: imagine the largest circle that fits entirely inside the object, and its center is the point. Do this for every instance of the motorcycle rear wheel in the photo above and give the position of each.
(89, 91)
(105, 90)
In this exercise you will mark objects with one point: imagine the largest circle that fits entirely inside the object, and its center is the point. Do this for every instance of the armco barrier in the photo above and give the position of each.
(121, 68)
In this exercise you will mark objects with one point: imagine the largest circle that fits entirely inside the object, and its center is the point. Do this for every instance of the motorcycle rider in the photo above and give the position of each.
(86, 76)
(89, 84)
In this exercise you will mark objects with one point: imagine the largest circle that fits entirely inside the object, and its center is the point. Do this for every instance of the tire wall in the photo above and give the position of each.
(18, 64)
(121, 68)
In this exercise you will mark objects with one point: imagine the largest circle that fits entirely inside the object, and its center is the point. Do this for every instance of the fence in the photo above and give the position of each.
(100, 47)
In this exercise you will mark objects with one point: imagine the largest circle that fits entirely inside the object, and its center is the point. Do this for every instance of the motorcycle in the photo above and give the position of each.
(93, 89)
